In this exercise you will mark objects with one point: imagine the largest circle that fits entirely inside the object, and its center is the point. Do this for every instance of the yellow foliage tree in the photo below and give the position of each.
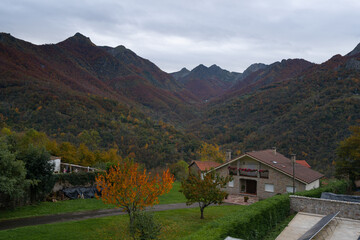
(211, 152)
(130, 189)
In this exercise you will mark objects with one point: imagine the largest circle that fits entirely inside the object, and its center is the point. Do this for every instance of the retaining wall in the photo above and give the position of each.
(324, 206)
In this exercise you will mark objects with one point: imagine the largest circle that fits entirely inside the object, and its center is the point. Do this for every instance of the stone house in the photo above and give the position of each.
(266, 173)
(201, 167)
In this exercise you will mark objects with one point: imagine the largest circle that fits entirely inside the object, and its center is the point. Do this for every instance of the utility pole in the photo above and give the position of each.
(293, 159)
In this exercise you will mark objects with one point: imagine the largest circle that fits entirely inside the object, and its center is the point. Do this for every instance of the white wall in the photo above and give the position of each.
(56, 164)
(313, 185)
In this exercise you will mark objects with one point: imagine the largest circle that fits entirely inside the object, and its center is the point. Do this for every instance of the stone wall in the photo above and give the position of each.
(324, 206)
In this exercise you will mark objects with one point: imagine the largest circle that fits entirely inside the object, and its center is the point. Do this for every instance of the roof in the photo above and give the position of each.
(303, 162)
(54, 157)
(281, 163)
(205, 165)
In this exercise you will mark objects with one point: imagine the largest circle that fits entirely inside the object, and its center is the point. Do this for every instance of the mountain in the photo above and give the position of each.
(296, 106)
(355, 51)
(259, 75)
(77, 64)
(252, 68)
(74, 86)
(181, 74)
(206, 82)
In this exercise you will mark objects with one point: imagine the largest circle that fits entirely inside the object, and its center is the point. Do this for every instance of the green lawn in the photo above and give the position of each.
(47, 208)
(176, 225)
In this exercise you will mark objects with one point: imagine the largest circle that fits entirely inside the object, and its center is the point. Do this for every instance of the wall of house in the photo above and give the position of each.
(313, 185)
(194, 169)
(280, 182)
(276, 178)
(325, 206)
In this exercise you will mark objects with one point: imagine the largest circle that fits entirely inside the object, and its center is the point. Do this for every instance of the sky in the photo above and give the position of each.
(232, 34)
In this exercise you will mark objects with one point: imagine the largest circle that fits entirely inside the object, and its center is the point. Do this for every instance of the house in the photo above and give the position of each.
(56, 162)
(201, 167)
(266, 173)
(303, 162)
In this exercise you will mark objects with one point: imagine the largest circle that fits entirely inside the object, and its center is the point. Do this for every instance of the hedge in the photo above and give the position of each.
(76, 179)
(335, 186)
(252, 223)
(259, 218)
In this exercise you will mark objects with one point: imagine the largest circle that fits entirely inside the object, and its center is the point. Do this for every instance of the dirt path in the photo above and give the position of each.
(73, 216)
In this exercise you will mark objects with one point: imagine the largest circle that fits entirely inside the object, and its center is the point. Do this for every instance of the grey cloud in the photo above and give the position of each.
(230, 33)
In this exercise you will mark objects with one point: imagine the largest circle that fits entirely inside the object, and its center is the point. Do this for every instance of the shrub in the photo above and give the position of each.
(335, 186)
(145, 227)
(76, 179)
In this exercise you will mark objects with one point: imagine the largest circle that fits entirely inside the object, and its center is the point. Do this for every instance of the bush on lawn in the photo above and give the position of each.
(145, 226)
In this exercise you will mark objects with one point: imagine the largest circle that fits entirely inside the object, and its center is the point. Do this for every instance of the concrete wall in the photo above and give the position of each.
(325, 206)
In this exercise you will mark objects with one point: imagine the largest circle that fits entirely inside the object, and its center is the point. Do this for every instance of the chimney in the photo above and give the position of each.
(228, 155)
(274, 150)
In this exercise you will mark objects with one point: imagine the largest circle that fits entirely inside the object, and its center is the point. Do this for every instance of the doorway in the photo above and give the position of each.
(248, 186)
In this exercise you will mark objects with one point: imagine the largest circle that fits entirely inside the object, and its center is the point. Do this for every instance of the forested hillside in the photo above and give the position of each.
(74, 86)
(206, 82)
(307, 115)
(106, 97)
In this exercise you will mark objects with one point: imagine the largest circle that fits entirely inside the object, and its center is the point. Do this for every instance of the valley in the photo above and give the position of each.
(74, 86)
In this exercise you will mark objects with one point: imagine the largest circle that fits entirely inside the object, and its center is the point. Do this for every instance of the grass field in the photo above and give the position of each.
(47, 208)
(176, 225)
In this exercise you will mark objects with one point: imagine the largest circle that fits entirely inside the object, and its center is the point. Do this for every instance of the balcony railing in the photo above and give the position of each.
(232, 170)
(264, 173)
(248, 172)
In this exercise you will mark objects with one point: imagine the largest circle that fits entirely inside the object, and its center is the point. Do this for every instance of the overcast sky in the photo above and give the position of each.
(173, 34)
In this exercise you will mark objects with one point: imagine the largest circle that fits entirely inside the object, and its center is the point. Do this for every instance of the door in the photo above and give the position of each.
(251, 186)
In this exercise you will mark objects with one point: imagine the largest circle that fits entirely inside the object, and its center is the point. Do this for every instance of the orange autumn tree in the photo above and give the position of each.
(129, 188)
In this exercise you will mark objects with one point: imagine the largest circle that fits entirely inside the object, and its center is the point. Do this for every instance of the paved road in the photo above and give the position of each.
(30, 221)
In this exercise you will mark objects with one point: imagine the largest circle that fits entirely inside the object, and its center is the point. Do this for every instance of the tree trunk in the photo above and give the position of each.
(202, 213)
(131, 226)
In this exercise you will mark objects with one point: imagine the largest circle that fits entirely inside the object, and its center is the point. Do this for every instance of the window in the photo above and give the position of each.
(231, 183)
(290, 189)
(269, 187)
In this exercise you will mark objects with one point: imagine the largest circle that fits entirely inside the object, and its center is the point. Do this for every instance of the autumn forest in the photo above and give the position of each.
(90, 104)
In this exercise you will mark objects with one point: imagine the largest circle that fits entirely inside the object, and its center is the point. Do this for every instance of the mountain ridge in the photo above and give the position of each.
(74, 85)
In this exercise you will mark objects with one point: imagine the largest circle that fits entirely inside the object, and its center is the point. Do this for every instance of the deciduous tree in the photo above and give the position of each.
(39, 171)
(204, 191)
(211, 152)
(130, 189)
(12, 177)
(349, 155)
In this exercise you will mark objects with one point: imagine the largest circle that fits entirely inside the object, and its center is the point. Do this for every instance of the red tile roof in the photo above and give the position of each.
(283, 164)
(205, 165)
(303, 162)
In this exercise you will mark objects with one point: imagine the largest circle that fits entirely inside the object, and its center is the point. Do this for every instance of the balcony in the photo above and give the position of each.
(232, 170)
(248, 172)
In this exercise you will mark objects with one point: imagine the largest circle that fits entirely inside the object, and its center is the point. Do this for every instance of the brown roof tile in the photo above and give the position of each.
(284, 164)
